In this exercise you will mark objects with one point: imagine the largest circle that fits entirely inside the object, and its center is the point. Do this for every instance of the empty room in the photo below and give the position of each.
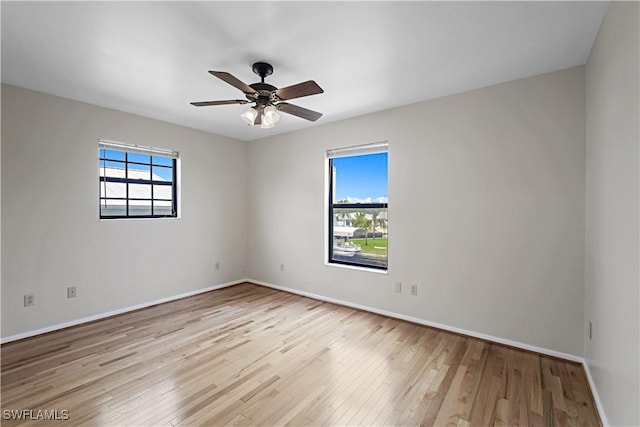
(346, 213)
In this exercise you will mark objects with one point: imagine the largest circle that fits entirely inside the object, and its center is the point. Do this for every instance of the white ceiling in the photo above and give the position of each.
(151, 58)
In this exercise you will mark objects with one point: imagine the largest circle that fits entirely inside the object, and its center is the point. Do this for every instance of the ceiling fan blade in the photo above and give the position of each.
(299, 90)
(230, 101)
(299, 111)
(233, 81)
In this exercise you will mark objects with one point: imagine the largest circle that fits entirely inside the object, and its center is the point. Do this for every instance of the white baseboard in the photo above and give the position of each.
(115, 312)
(424, 322)
(594, 392)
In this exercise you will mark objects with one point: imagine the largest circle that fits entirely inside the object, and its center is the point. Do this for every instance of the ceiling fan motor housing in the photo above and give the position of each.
(265, 91)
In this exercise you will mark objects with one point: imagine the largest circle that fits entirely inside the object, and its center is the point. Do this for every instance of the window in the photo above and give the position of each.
(137, 182)
(358, 202)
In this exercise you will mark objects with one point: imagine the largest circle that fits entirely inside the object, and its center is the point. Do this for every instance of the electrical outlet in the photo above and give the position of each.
(414, 289)
(281, 267)
(29, 300)
(398, 287)
(217, 265)
(72, 292)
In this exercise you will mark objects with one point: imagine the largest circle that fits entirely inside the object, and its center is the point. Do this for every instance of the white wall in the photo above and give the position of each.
(612, 213)
(52, 237)
(486, 210)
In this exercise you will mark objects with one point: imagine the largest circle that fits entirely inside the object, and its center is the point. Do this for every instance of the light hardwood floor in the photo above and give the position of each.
(249, 355)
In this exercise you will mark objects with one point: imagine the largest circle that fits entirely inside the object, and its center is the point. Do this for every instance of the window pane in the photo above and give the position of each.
(112, 169)
(139, 191)
(162, 207)
(112, 154)
(360, 179)
(163, 161)
(113, 207)
(162, 192)
(113, 189)
(163, 210)
(162, 174)
(139, 207)
(138, 171)
(140, 158)
(360, 236)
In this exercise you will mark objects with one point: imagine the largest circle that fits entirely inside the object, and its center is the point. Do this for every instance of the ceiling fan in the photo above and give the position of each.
(268, 99)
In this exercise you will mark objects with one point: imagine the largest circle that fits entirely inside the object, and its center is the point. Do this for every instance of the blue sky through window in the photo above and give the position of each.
(162, 166)
(361, 178)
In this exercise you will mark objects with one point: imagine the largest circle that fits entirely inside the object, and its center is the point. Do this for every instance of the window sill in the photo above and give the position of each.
(356, 267)
(132, 218)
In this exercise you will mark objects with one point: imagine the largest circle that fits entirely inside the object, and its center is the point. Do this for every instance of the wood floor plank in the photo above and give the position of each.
(250, 355)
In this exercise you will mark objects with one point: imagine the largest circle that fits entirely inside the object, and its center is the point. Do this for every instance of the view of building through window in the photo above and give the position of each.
(136, 184)
(358, 203)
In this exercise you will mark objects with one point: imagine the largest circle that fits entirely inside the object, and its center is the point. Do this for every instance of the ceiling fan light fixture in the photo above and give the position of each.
(249, 116)
(266, 124)
(270, 116)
